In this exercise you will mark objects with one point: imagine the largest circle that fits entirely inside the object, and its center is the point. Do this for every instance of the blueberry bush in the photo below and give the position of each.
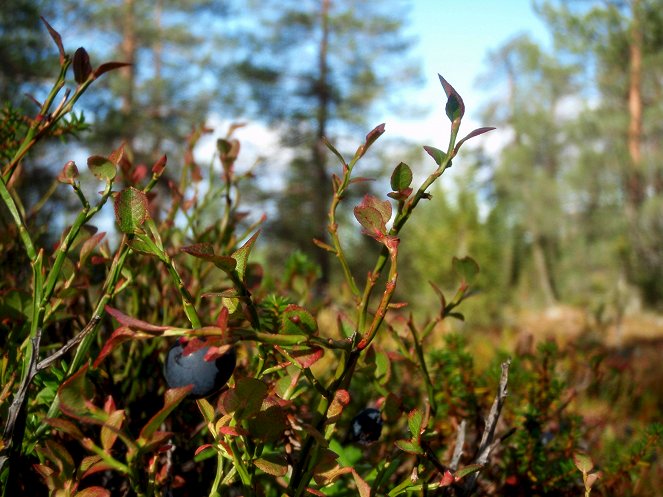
(173, 363)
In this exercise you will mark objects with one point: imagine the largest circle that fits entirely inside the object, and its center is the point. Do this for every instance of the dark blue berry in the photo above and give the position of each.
(366, 426)
(207, 377)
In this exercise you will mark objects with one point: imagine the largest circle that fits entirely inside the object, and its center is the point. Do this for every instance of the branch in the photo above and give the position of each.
(486, 445)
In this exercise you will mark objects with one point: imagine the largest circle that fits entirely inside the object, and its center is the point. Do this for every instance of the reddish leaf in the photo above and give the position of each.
(203, 448)
(159, 165)
(108, 66)
(120, 335)
(89, 246)
(472, 134)
(93, 492)
(340, 401)
(447, 479)
(172, 398)
(371, 137)
(82, 67)
(56, 38)
(111, 429)
(363, 487)
(133, 323)
(455, 107)
(76, 394)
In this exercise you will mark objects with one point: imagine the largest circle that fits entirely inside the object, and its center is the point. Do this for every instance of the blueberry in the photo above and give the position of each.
(366, 426)
(207, 377)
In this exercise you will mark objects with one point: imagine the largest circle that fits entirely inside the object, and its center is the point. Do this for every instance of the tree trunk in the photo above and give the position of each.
(634, 176)
(321, 186)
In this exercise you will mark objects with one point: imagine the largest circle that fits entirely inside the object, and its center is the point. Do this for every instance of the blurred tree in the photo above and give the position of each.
(24, 47)
(620, 45)
(316, 68)
(176, 51)
(531, 107)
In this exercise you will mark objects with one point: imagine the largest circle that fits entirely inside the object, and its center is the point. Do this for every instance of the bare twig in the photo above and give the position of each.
(486, 445)
(458, 449)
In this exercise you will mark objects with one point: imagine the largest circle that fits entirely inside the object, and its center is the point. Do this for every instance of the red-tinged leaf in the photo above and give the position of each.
(437, 154)
(245, 399)
(371, 137)
(296, 320)
(360, 179)
(592, 478)
(44, 471)
(203, 448)
(205, 251)
(415, 421)
(56, 38)
(158, 441)
(214, 352)
(402, 195)
(65, 426)
(108, 66)
(172, 398)
(119, 336)
(241, 255)
(59, 455)
(455, 107)
(69, 173)
(133, 323)
(233, 431)
(583, 462)
(81, 64)
(109, 405)
(315, 492)
(76, 394)
(93, 492)
(324, 245)
(91, 465)
(447, 479)
(363, 487)
(130, 210)
(111, 428)
(272, 464)
(341, 400)
(306, 357)
(472, 134)
(159, 165)
(88, 247)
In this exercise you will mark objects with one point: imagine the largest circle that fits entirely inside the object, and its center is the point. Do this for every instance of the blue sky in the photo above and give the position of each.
(454, 39)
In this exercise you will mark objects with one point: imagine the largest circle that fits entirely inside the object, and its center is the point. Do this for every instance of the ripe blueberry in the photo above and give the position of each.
(366, 426)
(207, 377)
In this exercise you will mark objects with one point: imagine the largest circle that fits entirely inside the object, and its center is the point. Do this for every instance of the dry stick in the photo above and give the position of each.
(458, 449)
(486, 445)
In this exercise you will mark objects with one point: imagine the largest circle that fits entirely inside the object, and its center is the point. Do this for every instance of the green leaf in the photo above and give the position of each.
(583, 462)
(241, 255)
(272, 464)
(246, 398)
(415, 422)
(462, 472)
(437, 154)
(130, 210)
(409, 446)
(102, 168)
(268, 425)
(401, 178)
(296, 320)
(466, 268)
